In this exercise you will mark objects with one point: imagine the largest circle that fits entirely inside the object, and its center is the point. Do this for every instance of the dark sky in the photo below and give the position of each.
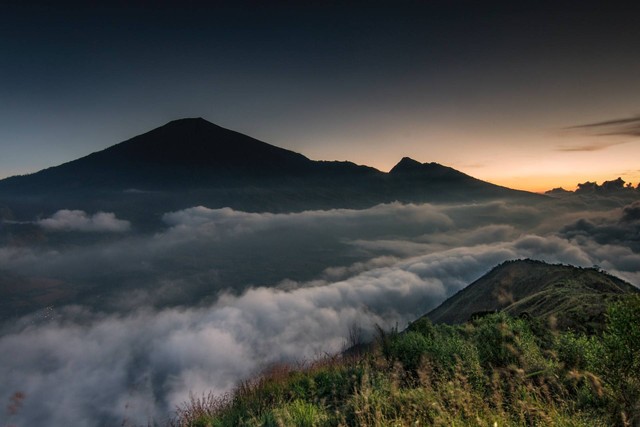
(486, 87)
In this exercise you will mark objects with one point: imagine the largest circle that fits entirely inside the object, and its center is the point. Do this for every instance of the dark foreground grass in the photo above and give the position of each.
(495, 371)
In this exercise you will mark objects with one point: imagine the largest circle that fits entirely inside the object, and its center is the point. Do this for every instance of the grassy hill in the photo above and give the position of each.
(493, 371)
(568, 297)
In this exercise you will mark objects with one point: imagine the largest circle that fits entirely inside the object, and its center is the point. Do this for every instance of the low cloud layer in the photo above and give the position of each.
(226, 222)
(620, 228)
(75, 220)
(327, 270)
(142, 364)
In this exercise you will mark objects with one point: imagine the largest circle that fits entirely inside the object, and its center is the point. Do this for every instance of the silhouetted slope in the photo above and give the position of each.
(187, 152)
(574, 297)
(412, 179)
(189, 162)
(407, 167)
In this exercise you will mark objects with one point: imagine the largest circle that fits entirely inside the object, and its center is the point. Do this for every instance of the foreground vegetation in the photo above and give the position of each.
(494, 371)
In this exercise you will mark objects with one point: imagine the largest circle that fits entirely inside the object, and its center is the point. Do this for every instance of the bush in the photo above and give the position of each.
(621, 370)
(423, 326)
(495, 340)
(334, 384)
(579, 351)
(408, 349)
(622, 339)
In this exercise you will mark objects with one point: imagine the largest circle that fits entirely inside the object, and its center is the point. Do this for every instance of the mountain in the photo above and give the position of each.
(407, 167)
(191, 161)
(572, 297)
(187, 152)
(432, 180)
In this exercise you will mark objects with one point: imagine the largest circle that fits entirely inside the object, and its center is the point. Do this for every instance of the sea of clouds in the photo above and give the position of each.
(297, 283)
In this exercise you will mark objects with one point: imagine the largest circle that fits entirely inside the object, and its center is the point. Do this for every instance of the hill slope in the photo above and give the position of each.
(574, 297)
(498, 371)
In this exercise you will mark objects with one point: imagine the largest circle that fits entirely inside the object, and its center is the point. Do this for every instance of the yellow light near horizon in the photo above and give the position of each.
(542, 183)
(538, 184)
(525, 158)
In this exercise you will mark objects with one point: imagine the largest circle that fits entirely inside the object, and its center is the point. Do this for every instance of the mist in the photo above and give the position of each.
(217, 295)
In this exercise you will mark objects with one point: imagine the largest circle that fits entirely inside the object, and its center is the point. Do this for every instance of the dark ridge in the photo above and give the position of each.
(185, 152)
(199, 143)
(408, 166)
(190, 162)
(405, 165)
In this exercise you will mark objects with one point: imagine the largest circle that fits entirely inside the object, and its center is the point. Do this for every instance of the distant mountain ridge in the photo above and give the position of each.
(191, 161)
(570, 297)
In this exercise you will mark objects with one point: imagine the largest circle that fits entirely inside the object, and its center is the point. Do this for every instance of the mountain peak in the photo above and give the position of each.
(188, 120)
(406, 164)
(410, 168)
(192, 144)
(188, 123)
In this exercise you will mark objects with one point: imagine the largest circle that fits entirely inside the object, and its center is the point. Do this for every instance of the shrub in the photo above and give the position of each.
(423, 326)
(579, 351)
(408, 349)
(621, 370)
(622, 339)
(496, 369)
(494, 339)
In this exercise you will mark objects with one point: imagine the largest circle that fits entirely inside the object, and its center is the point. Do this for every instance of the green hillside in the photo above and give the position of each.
(495, 370)
(568, 297)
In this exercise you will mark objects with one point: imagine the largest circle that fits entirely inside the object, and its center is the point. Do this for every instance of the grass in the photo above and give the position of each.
(494, 371)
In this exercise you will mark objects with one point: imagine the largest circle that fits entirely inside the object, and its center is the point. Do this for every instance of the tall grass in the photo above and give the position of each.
(494, 371)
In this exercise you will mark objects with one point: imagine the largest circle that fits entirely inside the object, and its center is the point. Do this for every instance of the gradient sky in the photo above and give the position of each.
(500, 91)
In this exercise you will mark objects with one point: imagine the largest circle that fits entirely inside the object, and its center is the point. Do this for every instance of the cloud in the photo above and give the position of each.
(620, 227)
(226, 222)
(93, 369)
(631, 213)
(634, 121)
(204, 251)
(593, 146)
(624, 127)
(76, 220)
(498, 212)
(259, 288)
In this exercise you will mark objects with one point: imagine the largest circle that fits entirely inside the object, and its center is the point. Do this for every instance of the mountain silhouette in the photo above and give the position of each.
(570, 297)
(189, 152)
(192, 161)
(407, 167)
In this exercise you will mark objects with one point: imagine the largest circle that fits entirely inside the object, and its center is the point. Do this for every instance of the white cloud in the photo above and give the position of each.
(76, 220)
(93, 368)
(226, 222)
(139, 363)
